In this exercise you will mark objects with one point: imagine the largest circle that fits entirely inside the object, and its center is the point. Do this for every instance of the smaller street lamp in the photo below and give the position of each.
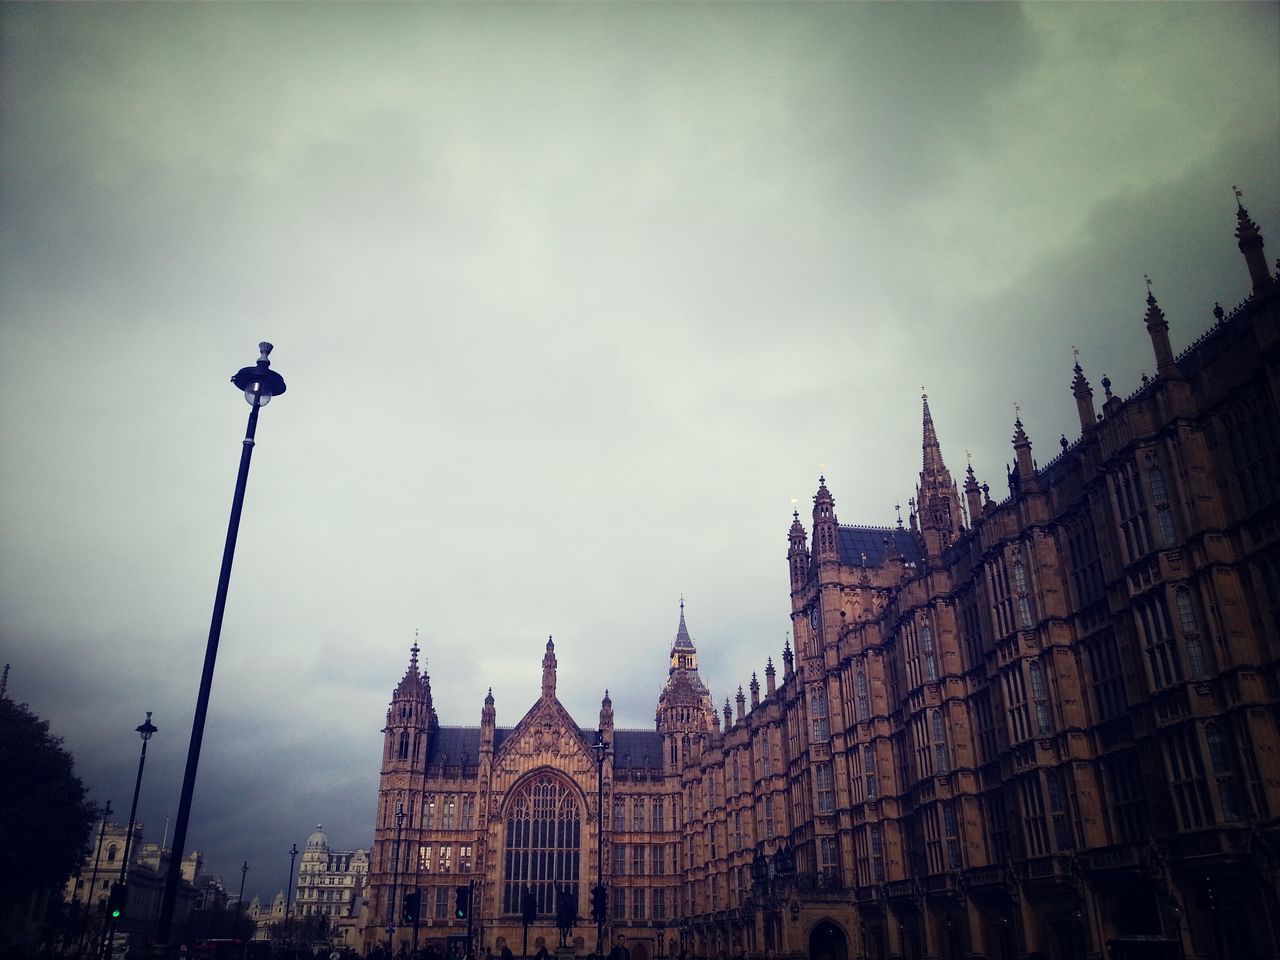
(145, 730)
(395, 878)
(288, 903)
(662, 938)
(600, 749)
(90, 900)
(244, 869)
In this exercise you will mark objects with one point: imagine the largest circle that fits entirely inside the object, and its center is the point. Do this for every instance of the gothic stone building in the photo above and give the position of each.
(1047, 726)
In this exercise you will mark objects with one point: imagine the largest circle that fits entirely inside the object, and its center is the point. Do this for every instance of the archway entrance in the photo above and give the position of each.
(828, 942)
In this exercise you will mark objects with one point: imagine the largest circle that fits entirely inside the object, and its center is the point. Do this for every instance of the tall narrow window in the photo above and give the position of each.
(543, 843)
(1025, 619)
(941, 761)
(869, 770)
(1062, 832)
(826, 791)
(818, 713)
(864, 701)
(1222, 770)
(1160, 497)
(619, 815)
(1039, 694)
(926, 648)
(1190, 632)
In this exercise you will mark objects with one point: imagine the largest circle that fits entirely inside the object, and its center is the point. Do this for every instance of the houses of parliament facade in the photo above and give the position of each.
(1044, 726)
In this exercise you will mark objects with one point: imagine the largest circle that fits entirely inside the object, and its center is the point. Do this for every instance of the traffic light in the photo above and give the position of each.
(409, 908)
(599, 904)
(462, 903)
(116, 900)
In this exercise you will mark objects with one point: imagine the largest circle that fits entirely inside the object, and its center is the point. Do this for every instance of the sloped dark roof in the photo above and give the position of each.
(637, 750)
(454, 745)
(853, 542)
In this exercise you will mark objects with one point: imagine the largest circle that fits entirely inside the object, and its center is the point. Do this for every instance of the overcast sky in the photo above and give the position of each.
(572, 301)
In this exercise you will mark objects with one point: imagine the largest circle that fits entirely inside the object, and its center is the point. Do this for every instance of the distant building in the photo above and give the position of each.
(145, 878)
(331, 883)
(1044, 726)
(100, 868)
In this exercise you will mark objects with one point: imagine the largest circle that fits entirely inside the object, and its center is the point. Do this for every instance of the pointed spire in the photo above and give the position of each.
(683, 642)
(770, 678)
(971, 495)
(1249, 240)
(788, 660)
(728, 714)
(1083, 393)
(755, 690)
(1158, 329)
(936, 511)
(741, 701)
(932, 459)
(1023, 476)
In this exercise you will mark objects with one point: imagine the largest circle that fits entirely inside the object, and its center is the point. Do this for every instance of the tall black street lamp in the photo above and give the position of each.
(260, 383)
(395, 878)
(288, 901)
(598, 899)
(145, 730)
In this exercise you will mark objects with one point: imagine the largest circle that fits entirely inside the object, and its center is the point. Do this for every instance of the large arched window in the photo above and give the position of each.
(544, 837)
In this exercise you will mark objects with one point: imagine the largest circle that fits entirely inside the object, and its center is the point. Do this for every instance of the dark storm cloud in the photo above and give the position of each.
(572, 301)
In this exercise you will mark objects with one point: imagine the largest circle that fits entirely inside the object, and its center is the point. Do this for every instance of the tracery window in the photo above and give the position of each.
(543, 843)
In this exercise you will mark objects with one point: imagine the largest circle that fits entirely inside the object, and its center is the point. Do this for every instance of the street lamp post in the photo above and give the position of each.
(244, 869)
(288, 900)
(662, 938)
(601, 749)
(93, 877)
(145, 730)
(260, 383)
(395, 879)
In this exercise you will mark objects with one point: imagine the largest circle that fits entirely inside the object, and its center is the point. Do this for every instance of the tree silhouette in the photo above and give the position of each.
(45, 816)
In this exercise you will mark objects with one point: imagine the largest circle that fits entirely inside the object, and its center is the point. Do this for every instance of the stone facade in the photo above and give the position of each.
(1045, 726)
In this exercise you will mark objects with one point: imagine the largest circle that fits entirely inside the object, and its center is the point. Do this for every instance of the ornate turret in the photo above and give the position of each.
(972, 494)
(770, 679)
(1158, 329)
(1023, 478)
(488, 718)
(685, 710)
(410, 717)
(798, 552)
(549, 671)
(937, 503)
(788, 660)
(755, 691)
(824, 524)
(741, 701)
(1249, 239)
(606, 717)
(1083, 393)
